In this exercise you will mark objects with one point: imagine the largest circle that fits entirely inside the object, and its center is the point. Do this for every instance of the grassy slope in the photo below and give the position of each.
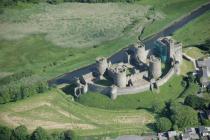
(172, 9)
(36, 53)
(186, 67)
(171, 90)
(195, 33)
(54, 110)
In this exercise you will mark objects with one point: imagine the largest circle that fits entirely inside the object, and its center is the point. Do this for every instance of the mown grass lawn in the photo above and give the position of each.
(55, 111)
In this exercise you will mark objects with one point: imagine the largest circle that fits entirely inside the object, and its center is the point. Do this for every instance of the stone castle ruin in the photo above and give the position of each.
(140, 70)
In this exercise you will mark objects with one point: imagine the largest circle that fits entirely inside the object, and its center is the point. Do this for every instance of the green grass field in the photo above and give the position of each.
(74, 25)
(55, 111)
(196, 37)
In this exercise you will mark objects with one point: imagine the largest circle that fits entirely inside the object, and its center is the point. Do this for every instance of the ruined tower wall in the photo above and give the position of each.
(141, 53)
(155, 67)
(120, 79)
(101, 65)
(178, 53)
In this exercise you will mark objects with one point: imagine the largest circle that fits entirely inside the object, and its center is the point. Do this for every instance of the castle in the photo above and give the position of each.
(140, 70)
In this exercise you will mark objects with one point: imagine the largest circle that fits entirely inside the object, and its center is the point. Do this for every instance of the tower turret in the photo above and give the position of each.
(101, 66)
(155, 67)
(141, 52)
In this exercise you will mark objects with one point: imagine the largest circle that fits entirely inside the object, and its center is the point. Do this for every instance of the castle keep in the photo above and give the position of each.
(139, 70)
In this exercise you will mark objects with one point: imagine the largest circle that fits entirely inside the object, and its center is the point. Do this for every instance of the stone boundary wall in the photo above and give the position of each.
(133, 90)
(165, 78)
(187, 57)
(99, 88)
(107, 90)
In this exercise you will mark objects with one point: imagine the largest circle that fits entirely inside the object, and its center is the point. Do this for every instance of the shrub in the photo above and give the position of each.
(21, 89)
(40, 134)
(20, 133)
(206, 122)
(58, 136)
(195, 102)
(158, 106)
(183, 116)
(16, 76)
(68, 135)
(5, 133)
(163, 124)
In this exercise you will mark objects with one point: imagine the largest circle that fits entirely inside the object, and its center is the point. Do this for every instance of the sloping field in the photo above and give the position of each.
(196, 37)
(55, 110)
(74, 24)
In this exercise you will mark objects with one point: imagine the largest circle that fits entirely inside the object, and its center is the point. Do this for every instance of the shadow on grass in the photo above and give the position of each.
(204, 46)
(151, 126)
(69, 89)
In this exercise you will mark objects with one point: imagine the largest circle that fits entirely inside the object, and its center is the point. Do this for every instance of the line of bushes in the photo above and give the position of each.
(16, 76)
(21, 133)
(19, 86)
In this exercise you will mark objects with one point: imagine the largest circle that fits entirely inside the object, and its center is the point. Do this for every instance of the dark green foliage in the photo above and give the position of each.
(195, 102)
(183, 116)
(20, 133)
(23, 88)
(4, 96)
(191, 77)
(68, 135)
(206, 122)
(16, 76)
(163, 124)
(5, 133)
(58, 136)
(40, 134)
(158, 106)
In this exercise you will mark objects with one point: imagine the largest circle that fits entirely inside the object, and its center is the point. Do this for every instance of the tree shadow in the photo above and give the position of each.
(151, 126)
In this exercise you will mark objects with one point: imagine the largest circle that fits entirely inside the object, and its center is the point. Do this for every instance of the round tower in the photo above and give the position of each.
(141, 52)
(113, 94)
(155, 67)
(101, 65)
(120, 78)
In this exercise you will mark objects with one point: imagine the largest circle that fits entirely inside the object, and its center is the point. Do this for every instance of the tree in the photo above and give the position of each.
(195, 102)
(40, 134)
(58, 136)
(206, 122)
(183, 116)
(191, 77)
(68, 135)
(20, 133)
(158, 106)
(5, 133)
(163, 124)
(4, 96)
